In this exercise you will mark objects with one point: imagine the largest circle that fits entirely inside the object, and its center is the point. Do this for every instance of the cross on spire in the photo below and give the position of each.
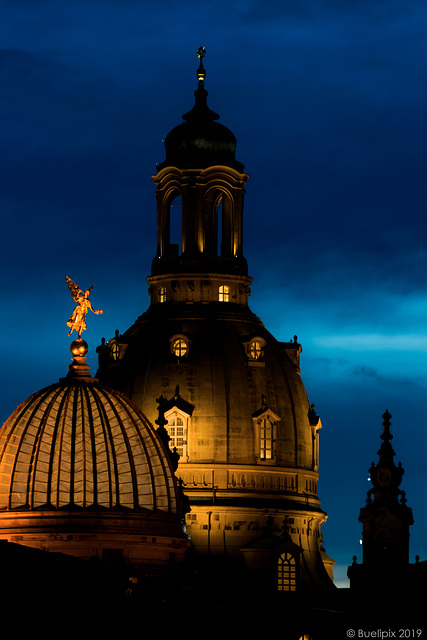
(201, 73)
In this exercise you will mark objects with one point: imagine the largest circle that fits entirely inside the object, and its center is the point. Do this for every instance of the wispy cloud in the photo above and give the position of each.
(374, 341)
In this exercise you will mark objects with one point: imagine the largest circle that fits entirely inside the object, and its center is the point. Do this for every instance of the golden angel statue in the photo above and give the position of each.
(77, 320)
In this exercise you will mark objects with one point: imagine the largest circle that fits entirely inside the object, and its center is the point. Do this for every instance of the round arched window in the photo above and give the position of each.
(255, 349)
(179, 347)
(177, 430)
(287, 573)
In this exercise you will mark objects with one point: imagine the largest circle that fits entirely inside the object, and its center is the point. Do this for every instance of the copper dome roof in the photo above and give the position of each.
(200, 142)
(77, 444)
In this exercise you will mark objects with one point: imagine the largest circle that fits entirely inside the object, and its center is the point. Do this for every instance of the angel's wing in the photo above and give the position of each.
(73, 288)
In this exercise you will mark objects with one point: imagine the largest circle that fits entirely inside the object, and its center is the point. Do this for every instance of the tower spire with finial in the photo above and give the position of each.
(386, 435)
(201, 72)
(386, 519)
(201, 111)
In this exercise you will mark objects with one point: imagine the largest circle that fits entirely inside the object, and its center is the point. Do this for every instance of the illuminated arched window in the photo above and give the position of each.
(162, 294)
(266, 439)
(265, 423)
(224, 293)
(177, 430)
(255, 348)
(115, 351)
(287, 573)
(180, 346)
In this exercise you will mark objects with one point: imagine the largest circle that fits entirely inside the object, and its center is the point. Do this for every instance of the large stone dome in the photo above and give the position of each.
(234, 403)
(232, 368)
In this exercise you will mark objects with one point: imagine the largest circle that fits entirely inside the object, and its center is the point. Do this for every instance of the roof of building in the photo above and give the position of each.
(78, 444)
(200, 141)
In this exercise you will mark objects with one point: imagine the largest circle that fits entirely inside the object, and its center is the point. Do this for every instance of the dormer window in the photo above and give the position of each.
(265, 433)
(115, 351)
(224, 293)
(256, 348)
(180, 346)
(266, 439)
(162, 294)
(177, 430)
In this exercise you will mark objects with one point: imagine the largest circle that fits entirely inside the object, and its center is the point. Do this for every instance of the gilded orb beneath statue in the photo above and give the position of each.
(79, 347)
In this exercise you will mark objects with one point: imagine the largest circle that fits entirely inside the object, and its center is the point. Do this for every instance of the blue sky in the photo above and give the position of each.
(328, 101)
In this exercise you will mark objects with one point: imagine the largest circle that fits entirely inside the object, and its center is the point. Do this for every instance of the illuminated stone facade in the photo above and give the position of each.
(235, 405)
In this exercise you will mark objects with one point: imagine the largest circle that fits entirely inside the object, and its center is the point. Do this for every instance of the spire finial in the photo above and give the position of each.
(386, 436)
(201, 73)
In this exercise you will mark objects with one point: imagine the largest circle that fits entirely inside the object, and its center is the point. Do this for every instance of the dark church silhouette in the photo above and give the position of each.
(385, 585)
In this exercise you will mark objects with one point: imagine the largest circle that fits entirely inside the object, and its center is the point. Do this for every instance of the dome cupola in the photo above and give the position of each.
(200, 142)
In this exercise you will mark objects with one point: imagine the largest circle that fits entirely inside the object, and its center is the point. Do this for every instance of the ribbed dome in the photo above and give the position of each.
(77, 444)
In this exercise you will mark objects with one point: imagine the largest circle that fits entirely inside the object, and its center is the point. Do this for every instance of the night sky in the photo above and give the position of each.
(328, 101)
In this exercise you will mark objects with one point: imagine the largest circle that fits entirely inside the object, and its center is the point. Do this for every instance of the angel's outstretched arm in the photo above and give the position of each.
(89, 306)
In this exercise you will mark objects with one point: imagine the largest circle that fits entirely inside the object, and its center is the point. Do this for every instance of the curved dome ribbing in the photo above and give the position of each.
(78, 444)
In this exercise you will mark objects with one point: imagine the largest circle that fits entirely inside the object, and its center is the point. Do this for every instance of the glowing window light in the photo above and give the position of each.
(255, 349)
(179, 348)
(177, 430)
(266, 437)
(162, 294)
(224, 293)
(287, 573)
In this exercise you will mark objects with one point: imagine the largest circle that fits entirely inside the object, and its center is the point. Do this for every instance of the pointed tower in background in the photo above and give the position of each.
(229, 394)
(386, 521)
(386, 518)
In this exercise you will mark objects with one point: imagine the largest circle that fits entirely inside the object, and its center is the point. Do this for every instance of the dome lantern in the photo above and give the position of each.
(200, 142)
